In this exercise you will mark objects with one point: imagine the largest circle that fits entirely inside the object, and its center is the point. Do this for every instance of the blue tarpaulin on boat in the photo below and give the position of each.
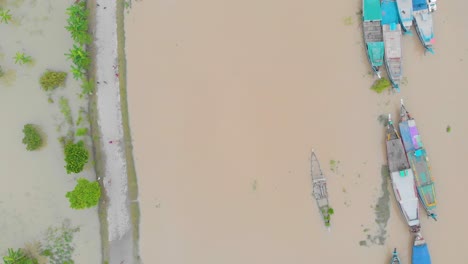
(376, 53)
(389, 12)
(421, 255)
(419, 5)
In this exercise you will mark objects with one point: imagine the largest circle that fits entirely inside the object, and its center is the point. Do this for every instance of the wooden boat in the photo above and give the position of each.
(392, 39)
(402, 178)
(405, 14)
(420, 251)
(373, 36)
(319, 185)
(395, 258)
(419, 162)
(423, 24)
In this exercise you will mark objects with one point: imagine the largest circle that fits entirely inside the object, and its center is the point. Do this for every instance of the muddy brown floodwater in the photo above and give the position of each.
(227, 99)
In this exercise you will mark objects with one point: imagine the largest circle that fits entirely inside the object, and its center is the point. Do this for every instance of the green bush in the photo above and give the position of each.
(76, 156)
(81, 60)
(85, 195)
(21, 58)
(32, 138)
(88, 86)
(381, 85)
(52, 79)
(78, 23)
(82, 131)
(17, 257)
(5, 16)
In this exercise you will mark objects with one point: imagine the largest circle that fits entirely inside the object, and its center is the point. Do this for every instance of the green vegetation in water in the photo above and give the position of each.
(34, 251)
(52, 79)
(82, 131)
(254, 185)
(87, 87)
(21, 58)
(448, 129)
(76, 156)
(5, 16)
(58, 246)
(363, 243)
(2, 73)
(85, 195)
(17, 257)
(81, 60)
(383, 119)
(334, 165)
(348, 21)
(66, 110)
(381, 85)
(77, 23)
(32, 137)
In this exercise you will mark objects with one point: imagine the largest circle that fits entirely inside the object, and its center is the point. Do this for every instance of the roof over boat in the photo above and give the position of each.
(410, 135)
(421, 255)
(389, 12)
(371, 10)
(403, 183)
(419, 5)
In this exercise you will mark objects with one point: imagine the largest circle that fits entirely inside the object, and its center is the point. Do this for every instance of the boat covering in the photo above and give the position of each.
(372, 11)
(421, 255)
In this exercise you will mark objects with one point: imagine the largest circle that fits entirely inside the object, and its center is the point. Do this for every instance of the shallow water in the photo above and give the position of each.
(32, 196)
(227, 99)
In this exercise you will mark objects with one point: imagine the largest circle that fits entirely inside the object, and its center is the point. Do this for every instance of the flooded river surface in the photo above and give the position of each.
(34, 183)
(227, 100)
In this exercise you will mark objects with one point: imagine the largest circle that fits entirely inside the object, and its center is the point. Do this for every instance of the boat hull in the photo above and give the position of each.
(319, 190)
(372, 33)
(420, 251)
(392, 41)
(425, 29)
(405, 13)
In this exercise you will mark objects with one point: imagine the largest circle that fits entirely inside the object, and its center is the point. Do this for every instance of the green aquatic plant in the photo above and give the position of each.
(76, 156)
(66, 110)
(78, 23)
(87, 87)
(33, 250)
(85, 195)
(82, 131)
(348, 21)
(2, 73)
(52, 79)
(81, 60)
(32, 137)
(58, 246)
(5, 16)
(21, 58)
(448, 129)
(17, 257)
(381, 85)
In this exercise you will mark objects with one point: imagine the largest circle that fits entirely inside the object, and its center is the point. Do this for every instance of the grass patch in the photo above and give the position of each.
(82, 131)
(381, 85)
(52, 79)
(66, 110)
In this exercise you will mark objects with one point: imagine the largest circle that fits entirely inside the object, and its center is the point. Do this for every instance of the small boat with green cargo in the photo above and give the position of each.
(373, 36)
(319, 190)
(419, 162)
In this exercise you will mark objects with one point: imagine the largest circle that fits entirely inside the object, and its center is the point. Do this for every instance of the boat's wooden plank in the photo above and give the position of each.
(373, 31)
(397, 160)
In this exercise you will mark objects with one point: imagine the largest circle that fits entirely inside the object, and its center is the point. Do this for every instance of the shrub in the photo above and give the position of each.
(52, 79)
(21, 58)
(88, 86)
(448, 129)
(381, 85)
(78, 23)
(5, 16)
(81, 60)
(85, 195)
(17, 257)
(58, 246)
(82, 131)
(32, 138)
(76, 156)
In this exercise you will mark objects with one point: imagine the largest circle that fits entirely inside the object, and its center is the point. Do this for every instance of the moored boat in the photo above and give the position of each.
(402, 177)
(319, 189)
(392, 40)
(423, 24)
(405, 14)
(395, 258)
(373, 36)
(419, 162)
(420, 251)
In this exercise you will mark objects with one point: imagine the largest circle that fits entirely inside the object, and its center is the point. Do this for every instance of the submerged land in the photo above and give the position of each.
(225, 102)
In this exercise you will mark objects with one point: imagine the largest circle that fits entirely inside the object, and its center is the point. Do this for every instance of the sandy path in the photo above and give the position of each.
(112, 141)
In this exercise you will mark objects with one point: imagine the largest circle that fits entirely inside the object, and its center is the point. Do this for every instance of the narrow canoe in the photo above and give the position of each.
(395, 258)
(391, 29)
(423, 24)
(373, 36)
(319, 189)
